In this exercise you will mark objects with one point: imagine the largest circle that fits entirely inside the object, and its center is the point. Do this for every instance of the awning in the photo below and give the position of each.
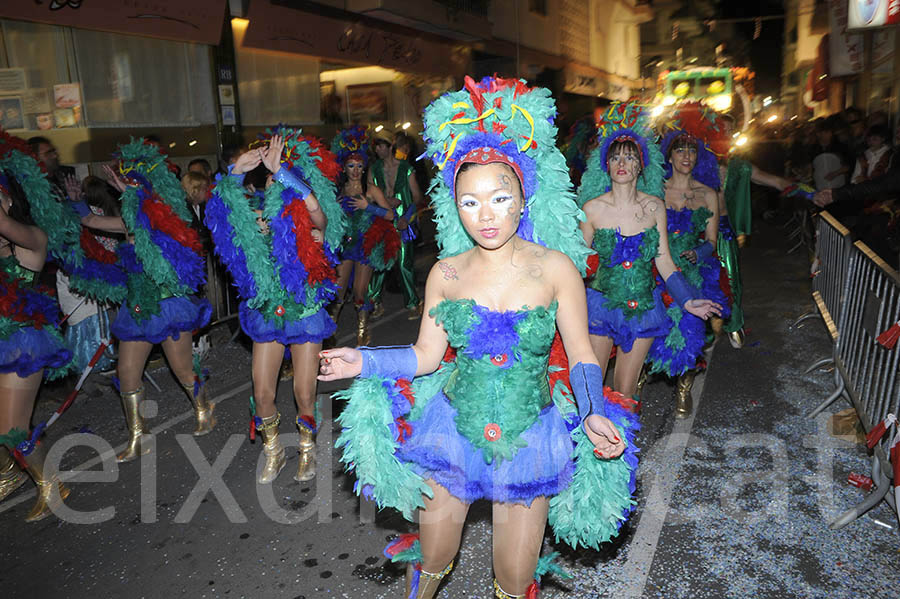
(284, 29)
(197, 21)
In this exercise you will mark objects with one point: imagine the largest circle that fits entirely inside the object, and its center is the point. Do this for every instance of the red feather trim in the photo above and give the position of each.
(400, 544)
(10, 143)
(309, 252)
(725, 285)
(164, 219)
(326, 161)
(94, 250)
(558, 359)
(593, 264)
(406, 391)
(704, 124)
(382, 231)
(449, 355)
(533, 591)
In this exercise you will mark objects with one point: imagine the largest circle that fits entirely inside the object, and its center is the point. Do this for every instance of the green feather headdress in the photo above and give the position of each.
(623, 121)
(509, 117)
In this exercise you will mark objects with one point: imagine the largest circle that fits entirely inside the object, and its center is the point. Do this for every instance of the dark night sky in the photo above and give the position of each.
(764, 53)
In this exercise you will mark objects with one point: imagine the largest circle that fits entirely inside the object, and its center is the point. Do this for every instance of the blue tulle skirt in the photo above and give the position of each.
(436, 450)
(312, 329)
(622, 330)
(712, 273)
(353, 250)
(84, 339)
(680, 349)
(30, 349)
(177, 315)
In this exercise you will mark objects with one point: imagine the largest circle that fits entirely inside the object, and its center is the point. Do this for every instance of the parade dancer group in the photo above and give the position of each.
(501, 397)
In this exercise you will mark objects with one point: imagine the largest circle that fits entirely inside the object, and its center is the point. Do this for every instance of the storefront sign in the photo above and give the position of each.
(193, 21)
(862, 14)
(288, 30)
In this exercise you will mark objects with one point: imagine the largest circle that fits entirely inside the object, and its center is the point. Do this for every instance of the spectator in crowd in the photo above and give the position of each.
(875, 160)
(202, 166)
(831, 162)
(48, 155)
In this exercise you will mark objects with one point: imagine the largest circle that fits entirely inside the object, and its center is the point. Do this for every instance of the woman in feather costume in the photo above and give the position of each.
(692, 215)
(282, 262)
(164, 268)
(31, 348)
(371, 242)
(626, 226)
(495, 416)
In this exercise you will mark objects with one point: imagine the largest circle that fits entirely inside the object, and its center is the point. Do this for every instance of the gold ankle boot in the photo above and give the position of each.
(203, 410)
(131, 403)
(50, 491)
(11, 477)
(306, 466)
(642, 380)
(272, 449)
(736, 338)
(499, 593)
(334, 310)
(684, 401)
(428, 582)
(362, 327)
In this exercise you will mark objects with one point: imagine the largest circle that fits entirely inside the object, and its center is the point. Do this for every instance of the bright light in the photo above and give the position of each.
(397, 125)
(657, 110)
(668, 100)
(822, 76)
(767, 100)
(736, 135)
(172, 145)
(379, 128)
(741, 141)
(721, 102)
(192, 143)
(407, 125)
(793, 117)
(772, 118)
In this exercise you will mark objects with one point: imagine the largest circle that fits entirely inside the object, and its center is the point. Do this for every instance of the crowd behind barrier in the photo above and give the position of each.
(854, 288)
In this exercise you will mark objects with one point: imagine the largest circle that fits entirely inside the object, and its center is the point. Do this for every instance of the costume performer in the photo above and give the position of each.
(692, 176)
(31, 347)
(283, 268)
(626, 226)
(164, 268)
(496, 418)
(371, 242)
(396, 178)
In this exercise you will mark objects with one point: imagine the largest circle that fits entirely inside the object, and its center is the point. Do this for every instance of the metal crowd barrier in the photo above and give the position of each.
(833, 245)
(866, 372)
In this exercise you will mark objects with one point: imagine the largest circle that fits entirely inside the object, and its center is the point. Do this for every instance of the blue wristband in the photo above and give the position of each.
(389, 362)
(289, 179)
(376, 210)
(240, 177)
(704, 250)
(81, 208)
(680, 290)
(587, 385)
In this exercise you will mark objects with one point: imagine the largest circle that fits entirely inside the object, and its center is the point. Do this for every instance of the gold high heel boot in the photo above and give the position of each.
(203, 410)
(272, 449)
(499, 593)
(131, 403)
(684, 401)
(334, 310)
(306, 466)
(362, 327)
(642, 380)
(11, 477)
(428, 582)
(50, 491)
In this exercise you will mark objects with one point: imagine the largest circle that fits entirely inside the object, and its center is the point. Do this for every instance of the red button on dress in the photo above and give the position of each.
(137, 309)
(492, 432)
(499, 359)
(632, 304)
(627, 264)
(279, 311)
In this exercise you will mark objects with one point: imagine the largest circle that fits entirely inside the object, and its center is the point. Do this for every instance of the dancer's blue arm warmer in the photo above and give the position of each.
(587, 385)
(389, 362)
(81, 208)
(289, 179)
(680, 290)
(239, 177)
(376, 210)
(704, 250)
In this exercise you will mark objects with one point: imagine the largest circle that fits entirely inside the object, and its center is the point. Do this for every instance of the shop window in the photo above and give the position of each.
(37, 88)
(139, 81)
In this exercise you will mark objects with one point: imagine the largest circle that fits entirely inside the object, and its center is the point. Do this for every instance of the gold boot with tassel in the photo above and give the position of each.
(50, 491)
(272, 449)
(362, 327)
(11, 477)
(131, 403)
(428, 582)
(306, 465)
(203, 410)
(499, 593)
(684, 401)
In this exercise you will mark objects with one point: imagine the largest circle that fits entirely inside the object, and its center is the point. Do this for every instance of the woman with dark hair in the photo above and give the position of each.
(31, 347)
(626, 226)
(371, 242)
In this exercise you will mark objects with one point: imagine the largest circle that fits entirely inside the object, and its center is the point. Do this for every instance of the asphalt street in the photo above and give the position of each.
(733, 502)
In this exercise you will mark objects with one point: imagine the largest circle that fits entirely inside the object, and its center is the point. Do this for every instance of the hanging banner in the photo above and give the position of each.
(283, 29)
(846, 49)
(197, 21)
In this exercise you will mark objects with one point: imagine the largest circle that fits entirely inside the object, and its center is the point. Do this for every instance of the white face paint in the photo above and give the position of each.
(489, 201)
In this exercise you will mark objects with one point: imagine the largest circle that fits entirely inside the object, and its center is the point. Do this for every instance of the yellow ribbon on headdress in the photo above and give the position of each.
(124, 171)
(463, 120)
